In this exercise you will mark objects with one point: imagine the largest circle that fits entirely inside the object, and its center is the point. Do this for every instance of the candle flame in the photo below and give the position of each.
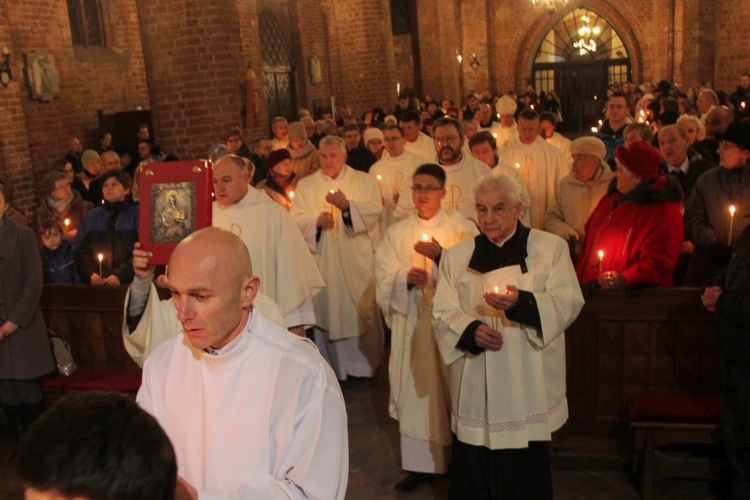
(100, 257)
(731, 209)
(601, 254)
(497, 289)
(743, 104)
(594, 129)
(67, 222)
(494, 134)
(332, 191)
(518, 165)
(425, 237)
(291, 194)
(380, 178)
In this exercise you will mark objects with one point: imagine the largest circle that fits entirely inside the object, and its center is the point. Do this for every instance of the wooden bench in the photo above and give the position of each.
(660, 420)
(90, 320)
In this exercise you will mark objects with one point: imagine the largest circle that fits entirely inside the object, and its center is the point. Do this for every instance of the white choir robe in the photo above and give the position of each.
(279, 143)
(423, 146)
(542, 167)
(395, 177)
(563, 144)
(419, 397)
(459, 179)
(264, 417)
(349, 332)
(286, 270)
(159, 322)
(504, 399)
(515, 174)
(503, 135)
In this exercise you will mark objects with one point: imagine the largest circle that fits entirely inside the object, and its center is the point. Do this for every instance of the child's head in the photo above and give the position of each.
(51, 234)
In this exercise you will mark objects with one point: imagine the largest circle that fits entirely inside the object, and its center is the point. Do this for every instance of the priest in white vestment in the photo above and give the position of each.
(286, 269)
(542, 165)
(252, 410)
(393, 171)
(503, 302)
(462, 171)
(507, 130)
(406, 272)
(337, 209)
(547, 124)
(417, 141)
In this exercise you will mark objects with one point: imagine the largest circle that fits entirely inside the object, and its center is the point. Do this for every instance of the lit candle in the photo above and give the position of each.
(398, 88)
(594, 129)
(380, 184)
(101, 258)
(425, 238)
(518, 165)
(601, 123)
(742, 104)
(497, 289)
(330, 207)
(495, 312)
(291, 194)
(601, 263)
(494, 134)
(731, 224)
(67, 223)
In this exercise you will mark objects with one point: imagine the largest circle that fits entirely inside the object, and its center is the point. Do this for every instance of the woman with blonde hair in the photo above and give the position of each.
(696, 131)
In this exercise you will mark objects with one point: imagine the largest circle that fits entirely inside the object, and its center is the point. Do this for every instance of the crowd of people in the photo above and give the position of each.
(471, 233)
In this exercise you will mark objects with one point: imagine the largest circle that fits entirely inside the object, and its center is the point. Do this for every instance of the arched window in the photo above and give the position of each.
(277, 66)
(578, 58)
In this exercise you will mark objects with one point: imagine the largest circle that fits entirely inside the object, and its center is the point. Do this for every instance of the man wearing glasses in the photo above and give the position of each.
(461, 170)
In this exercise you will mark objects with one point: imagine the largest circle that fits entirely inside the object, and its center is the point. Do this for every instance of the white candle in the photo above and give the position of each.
(731, 224)
(380, 184)
(67, 223)
(601, 263)
(425, 238)
(101, 258)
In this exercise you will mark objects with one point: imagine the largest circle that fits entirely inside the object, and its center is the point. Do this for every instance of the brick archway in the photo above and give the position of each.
(532, 40)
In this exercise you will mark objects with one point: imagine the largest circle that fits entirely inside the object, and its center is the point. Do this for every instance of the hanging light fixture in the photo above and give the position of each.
(585, 43)
(550, 5)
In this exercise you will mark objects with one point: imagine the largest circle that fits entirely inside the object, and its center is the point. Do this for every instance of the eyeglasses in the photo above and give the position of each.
(448, 139)
(426, 189)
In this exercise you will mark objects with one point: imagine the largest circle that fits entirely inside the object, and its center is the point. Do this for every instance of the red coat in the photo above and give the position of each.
(641, 237)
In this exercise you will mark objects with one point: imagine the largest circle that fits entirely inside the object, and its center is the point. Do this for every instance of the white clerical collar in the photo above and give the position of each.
(337, 178)
(432, 222)
(500, 245)
(684, 166)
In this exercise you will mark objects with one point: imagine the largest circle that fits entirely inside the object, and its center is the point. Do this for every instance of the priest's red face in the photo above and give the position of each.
(230, 182)
(496, 215)
(332, 159)
(528, 130)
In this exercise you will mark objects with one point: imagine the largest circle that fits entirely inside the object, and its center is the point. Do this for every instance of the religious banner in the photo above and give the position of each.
(175, 201)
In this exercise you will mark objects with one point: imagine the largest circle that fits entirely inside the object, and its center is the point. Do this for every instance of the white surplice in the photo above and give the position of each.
(287, 272)
(424, 146)
(350, 334)
(419, 397)
(563, 144)
(542, 166)
(459, 179)
(504, 399)
(263, 417)
(395, 177)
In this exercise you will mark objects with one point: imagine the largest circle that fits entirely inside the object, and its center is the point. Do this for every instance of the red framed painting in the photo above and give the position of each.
(175, 201)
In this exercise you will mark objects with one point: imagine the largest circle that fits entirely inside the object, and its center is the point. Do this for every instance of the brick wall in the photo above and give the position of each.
(34, 133)
(732, 51)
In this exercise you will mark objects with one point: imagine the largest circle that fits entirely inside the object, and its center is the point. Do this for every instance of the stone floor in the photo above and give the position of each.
(374, 460)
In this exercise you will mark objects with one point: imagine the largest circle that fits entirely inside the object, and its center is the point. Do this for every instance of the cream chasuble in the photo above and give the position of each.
(263, 417)
(346, 308)
(286, 270)
(563, 144)
(503, 135)
(395, 178)
(506, 398)
(424, 146)
(542, 166)
(459, 179)
(419, 397)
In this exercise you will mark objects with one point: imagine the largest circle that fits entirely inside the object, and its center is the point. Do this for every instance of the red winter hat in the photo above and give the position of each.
(277, 157)
(641, 158)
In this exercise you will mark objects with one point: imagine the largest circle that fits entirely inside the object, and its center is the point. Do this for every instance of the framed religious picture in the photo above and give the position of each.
(175, 201)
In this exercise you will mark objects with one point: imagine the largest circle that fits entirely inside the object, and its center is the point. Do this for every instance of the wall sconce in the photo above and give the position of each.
(474, 61)
(5, 75)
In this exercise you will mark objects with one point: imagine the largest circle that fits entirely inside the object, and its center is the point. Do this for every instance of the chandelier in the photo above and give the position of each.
(585, 44)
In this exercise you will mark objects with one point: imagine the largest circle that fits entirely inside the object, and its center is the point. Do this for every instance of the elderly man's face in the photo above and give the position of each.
(704, 102)
(411, 131)
(672, 146)
(394, 142)
(528, 130)
(209, 296)
(332, 159)
(585, 166)
(448, 144)
(280, 130)
(230, 182)
(496, 215)
(110, 161)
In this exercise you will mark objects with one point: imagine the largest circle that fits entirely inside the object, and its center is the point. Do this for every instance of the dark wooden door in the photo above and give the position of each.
(582, 90)
(277, 67)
